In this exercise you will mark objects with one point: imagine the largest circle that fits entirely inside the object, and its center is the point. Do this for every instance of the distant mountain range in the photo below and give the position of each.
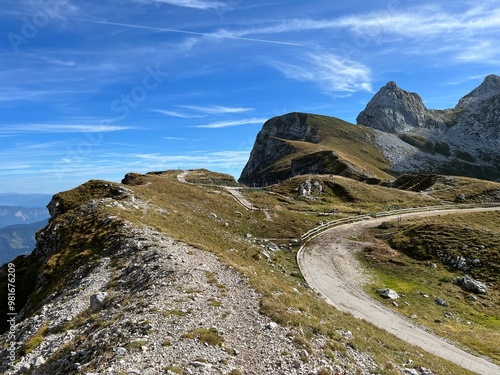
(21, 216)
(11, 215)
(396, 134)
(24, 200)
(18, 239)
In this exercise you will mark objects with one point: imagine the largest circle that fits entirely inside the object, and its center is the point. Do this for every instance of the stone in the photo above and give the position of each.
(411, 371)
(316, 187)
(39, 361)
(121, 351)
(305, 189)
(441, 302)
(271, 326)
(199, 364)
(25, 368)
(98, 300)
(271, 246)
(468, 284)
(388, 293)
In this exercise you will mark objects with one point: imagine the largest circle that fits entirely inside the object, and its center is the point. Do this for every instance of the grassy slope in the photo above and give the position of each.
(189, 218)
(474, 324)
(186, 212)
(352, 143)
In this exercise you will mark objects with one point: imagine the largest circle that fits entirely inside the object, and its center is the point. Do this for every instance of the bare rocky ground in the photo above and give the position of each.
(168, 308)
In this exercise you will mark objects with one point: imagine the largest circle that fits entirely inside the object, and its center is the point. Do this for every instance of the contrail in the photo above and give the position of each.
(192, 33)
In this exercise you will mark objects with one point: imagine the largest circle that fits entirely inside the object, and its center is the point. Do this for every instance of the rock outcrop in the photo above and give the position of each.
(270, 146)
(464, 140)
(394, 110)
(299, 143)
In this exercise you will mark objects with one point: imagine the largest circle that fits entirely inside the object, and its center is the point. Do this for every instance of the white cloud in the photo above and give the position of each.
(207, 159)
(331, 72)
(215, 109)
(60, 128)
(196, 4)
(226, 124)
(176, 114)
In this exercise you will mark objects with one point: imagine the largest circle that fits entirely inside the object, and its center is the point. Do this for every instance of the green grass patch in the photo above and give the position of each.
(473, 322)
(209, 336)
(34, 341)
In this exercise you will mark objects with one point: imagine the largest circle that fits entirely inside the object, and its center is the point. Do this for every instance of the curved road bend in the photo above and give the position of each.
(329, 266)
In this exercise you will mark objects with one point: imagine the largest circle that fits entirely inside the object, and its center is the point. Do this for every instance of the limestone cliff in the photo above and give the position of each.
(394, 110)
(400, 135)
(464, 140)
(300, 143)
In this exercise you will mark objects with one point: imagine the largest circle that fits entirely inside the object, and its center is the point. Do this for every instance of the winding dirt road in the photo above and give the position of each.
(329, 266)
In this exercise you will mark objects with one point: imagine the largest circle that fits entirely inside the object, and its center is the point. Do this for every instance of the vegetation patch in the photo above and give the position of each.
(204, 335)
(413, 266)
(35, 340)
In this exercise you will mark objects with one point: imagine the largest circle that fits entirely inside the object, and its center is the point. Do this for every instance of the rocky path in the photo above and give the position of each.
(240, 198)
(234, 191)
(329, 265)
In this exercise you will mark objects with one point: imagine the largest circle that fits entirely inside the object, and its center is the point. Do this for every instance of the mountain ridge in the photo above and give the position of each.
(401, 132)
(148, 276)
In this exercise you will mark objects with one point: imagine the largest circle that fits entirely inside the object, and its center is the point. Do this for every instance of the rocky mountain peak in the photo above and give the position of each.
(486, 90)
(393, 110)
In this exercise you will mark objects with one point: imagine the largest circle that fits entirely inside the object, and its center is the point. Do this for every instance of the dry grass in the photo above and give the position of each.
(187, 215)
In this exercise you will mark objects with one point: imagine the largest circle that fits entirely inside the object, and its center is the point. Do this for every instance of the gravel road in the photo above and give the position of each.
(329, 266)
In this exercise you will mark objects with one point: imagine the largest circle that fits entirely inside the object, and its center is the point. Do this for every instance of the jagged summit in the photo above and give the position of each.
(400, 135)
(489, 88)
(394, 110)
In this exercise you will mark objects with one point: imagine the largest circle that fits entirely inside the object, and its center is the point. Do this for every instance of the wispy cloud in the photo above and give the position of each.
(196, 4)
(331, 72)
(60, 128)
(216, 109)
(208, 159)
(176, 114)
(426, 27)
(226, 124)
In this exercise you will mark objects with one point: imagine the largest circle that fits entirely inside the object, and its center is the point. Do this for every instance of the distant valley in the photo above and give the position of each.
(21, 216)
(18, 239)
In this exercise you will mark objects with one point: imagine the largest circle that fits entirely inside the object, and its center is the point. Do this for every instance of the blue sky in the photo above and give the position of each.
(96, 89)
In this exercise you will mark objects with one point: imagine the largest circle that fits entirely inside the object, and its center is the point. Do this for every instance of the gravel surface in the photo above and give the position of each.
(329, 265)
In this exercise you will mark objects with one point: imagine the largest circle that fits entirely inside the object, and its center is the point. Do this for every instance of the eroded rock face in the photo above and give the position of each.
(269, 146)
(464, 140)
(394, 110)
